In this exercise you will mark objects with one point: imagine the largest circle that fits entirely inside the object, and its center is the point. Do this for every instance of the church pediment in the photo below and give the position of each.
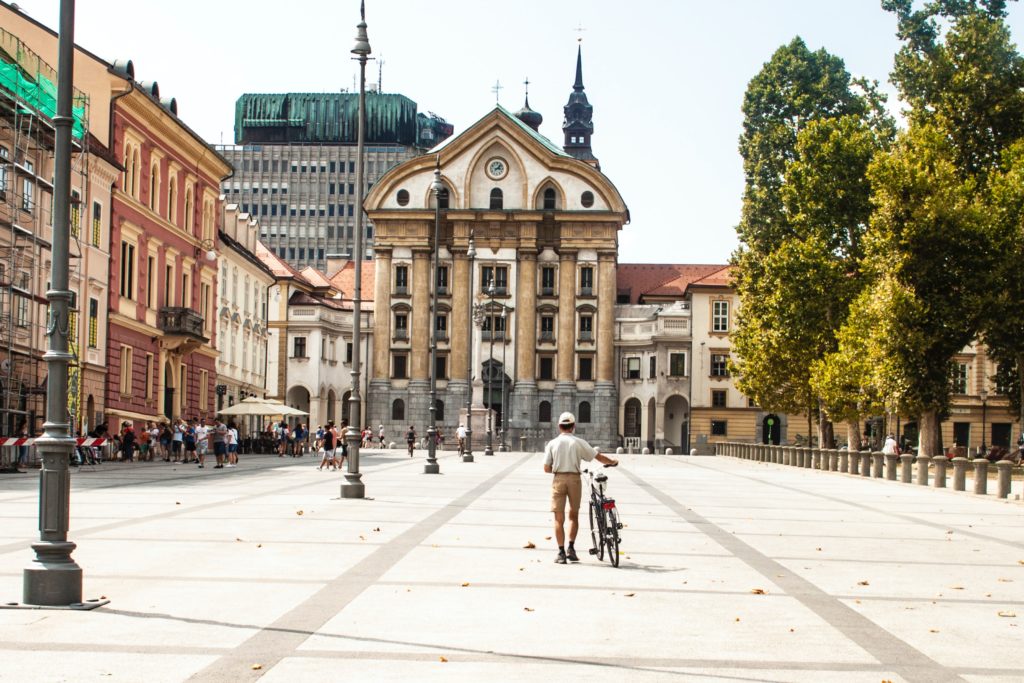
(498, 163)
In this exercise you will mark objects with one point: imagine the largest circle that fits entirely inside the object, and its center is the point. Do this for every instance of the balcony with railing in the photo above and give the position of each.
(183, 328)
(546, 337)
(497, 335)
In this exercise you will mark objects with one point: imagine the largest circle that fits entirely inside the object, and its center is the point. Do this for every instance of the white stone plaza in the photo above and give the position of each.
(731, 570)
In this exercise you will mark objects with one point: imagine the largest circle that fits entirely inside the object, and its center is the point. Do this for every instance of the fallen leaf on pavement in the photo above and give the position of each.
(527, 609)
(1007, 614)
(933, 630)
(1005, 580)
(957, 588)
(737, 618)
(377, 529)
(629, 595)
(237, 538)
(818, 549)
(257, 667)
(547, 538)
(529, 544)
(177, 503)
(361, 537)
(443, 659)
(863, 583)
(521, 568)
(466, 583)
(298, 512)
(757, 591)
(259, 545)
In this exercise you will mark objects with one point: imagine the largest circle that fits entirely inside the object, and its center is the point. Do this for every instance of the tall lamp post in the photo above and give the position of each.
(353, 486)
(502, 446)
(54, 579)
(431, 466)
(488, 450)
(467, 455)
(983, 395)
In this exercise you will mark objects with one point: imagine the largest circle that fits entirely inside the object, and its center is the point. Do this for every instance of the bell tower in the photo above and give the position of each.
(578, 124)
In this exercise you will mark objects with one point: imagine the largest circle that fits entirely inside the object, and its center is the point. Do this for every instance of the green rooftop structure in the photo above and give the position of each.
(330, 118)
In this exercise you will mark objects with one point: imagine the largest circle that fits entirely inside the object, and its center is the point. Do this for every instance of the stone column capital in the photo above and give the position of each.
(607, 256)
(567, 255)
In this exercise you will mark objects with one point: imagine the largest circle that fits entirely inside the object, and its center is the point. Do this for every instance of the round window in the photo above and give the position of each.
(403, 197)
(587, 199)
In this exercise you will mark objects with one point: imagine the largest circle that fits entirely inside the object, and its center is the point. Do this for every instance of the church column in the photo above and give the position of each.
(458, 362)
(422, 325)
(566, 316)
(382, 314)
(526, 320)
(606, 317)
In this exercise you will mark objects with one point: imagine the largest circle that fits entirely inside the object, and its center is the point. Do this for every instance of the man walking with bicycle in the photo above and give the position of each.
(562, 457)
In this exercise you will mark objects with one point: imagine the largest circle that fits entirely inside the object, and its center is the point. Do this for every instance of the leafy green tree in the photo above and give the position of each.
(809, 135)
(930, 242)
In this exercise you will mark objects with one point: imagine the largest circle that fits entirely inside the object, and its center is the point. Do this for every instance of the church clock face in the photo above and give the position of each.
(497, 168)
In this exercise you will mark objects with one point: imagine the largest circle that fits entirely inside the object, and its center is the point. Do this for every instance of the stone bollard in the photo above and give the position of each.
(668, 451)
(922, 469)
(808, 454)
(1005, 469)
(620, 450)
(816, 459)
(785, 454)
(833, 461)
(980, 476)
(865, 464)
(940, 471)
(891, 461)
(391, 445)
(645, 451)
(906, 468)
(844, 461)
(960, 473)
(876, 465)
(854, 462)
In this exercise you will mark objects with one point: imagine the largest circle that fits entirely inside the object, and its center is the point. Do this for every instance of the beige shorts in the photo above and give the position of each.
(566, 485)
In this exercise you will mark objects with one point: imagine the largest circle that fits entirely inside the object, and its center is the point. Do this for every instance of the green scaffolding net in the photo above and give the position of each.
(39, 94)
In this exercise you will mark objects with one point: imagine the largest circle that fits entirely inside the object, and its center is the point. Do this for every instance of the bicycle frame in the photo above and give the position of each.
(604, 524)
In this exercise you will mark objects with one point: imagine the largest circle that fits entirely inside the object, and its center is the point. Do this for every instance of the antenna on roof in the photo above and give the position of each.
(380, 73)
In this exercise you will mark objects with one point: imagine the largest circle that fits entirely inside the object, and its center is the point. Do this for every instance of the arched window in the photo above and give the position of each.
(135, 173)
(583, 416)
(497, 199)
(544, 412)
(549, 198)
(189, 210)
(439, 410)
(154, 188)
(172, 200)
(398, 409)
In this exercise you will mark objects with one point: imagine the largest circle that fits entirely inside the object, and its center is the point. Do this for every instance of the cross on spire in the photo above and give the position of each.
(496, 89)
(579, 30)
(527, 84)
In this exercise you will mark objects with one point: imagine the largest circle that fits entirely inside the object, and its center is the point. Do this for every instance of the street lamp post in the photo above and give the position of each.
(488, 450)
(54, 579)
(353, 486)
(431, 466)
(467, 455)
(983, 394)
(502, 446)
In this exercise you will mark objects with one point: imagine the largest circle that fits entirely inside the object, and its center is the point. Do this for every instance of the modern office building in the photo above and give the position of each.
(294, 158)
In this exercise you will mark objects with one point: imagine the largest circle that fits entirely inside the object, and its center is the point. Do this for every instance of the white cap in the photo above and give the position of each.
(566, 419)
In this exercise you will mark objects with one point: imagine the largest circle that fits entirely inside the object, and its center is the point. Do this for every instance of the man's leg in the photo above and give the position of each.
(574, 525)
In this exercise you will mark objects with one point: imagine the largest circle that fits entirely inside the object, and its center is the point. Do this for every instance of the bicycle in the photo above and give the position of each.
(604, 519)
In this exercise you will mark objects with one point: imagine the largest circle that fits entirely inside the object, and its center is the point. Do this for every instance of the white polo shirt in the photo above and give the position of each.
(565, 451)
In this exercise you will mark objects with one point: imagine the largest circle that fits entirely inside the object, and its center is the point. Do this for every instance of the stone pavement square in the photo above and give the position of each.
(731, 570)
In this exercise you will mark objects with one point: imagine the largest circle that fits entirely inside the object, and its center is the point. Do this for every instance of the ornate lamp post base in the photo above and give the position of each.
(353, 486)
(54, 579)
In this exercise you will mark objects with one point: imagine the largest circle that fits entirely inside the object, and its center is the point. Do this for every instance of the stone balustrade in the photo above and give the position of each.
(891, 467)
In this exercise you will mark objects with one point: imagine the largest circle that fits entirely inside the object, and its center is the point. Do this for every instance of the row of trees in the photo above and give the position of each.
(869, 255)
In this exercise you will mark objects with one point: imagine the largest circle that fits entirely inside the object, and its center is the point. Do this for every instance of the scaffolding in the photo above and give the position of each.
(27, 137)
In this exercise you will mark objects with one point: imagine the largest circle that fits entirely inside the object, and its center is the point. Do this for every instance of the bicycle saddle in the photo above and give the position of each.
(601, 478)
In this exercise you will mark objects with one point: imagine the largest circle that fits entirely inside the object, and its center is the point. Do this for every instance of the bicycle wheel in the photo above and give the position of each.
(596, 530)
(612, 536)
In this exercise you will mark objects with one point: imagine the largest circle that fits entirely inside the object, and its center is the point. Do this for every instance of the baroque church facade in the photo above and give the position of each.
(525, 282)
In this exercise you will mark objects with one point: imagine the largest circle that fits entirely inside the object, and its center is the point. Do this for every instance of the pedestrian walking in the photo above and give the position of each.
(330, 443)
(380, 435)
(562, 458)
(177, 436)
(232, 444)
(410, 438)
(127, 442)
(202, 436)
(343, 445)
(22, 433)
(220, 443)
(460, 434)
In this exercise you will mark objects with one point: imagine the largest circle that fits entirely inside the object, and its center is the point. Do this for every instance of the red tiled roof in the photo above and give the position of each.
(345, 280)
(660, 279)
(720, 278)
(276, 265)
(315, 277)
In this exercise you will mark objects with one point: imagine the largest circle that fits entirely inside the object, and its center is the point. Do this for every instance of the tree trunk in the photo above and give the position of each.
(1020, 383)
(929, 424)
(853, 435)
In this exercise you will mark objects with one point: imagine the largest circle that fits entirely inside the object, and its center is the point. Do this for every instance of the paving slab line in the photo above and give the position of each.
(891, 653)
(281, 638)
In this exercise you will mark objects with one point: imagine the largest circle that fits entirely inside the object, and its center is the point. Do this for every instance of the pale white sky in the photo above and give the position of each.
(666, 77)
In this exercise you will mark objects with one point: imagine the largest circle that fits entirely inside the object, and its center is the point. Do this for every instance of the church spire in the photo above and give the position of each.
(578, 124)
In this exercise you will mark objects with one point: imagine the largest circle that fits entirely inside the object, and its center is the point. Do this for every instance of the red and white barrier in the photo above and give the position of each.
(27, 441)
